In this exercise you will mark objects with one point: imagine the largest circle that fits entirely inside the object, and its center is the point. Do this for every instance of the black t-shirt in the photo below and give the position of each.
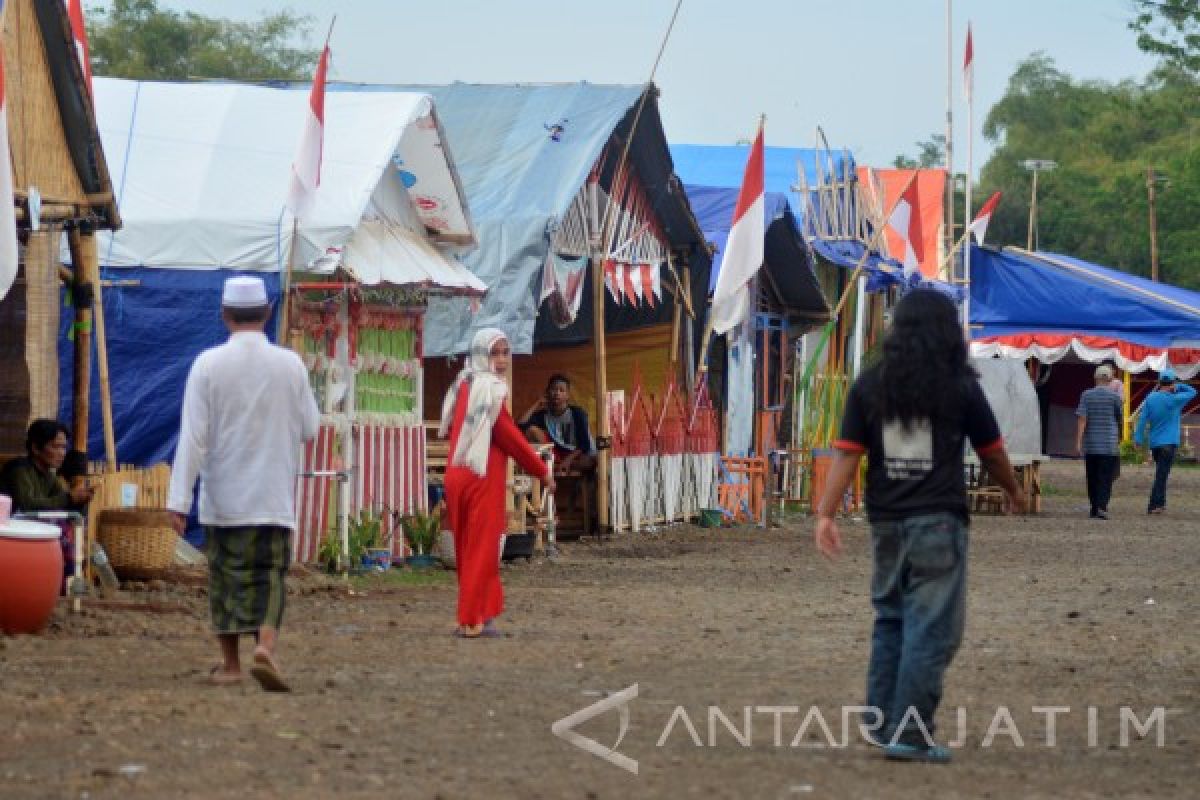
(919, 469)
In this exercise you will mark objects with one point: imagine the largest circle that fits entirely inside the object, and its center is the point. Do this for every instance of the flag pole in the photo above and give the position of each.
(948, 238)
(282, 329)
(706, 338)
(970, 68)
(599, 351)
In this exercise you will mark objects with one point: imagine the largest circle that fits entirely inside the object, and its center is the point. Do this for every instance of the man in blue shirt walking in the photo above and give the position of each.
(1160, 419)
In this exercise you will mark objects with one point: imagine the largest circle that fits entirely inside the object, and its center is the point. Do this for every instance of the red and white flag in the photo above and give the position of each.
(744, 247)
(306, 169)
(978, 226)
(629, 286)
(8, 214)
(647, 272)
(79, 32)
(968, 66)
(906, 222)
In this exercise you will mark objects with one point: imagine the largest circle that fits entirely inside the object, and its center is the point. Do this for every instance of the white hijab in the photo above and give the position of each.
(484, 401)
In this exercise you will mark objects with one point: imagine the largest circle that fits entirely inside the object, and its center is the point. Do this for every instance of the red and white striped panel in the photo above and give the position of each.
(313, 495)
(391, 471)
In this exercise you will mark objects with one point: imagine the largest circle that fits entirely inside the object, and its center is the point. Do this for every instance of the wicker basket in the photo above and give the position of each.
(137, 539)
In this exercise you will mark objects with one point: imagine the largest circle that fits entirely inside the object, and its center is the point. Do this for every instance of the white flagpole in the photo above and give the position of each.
(967, 212)
(948, 238)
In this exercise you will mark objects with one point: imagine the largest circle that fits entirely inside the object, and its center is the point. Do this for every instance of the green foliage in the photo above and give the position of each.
(421, 531)
(930, 153)
(137, 39)
(1171, 29)
(1104, 137)
(1131, 453)
(365, 532)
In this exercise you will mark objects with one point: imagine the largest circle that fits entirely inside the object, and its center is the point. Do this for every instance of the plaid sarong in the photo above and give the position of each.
(246, 569)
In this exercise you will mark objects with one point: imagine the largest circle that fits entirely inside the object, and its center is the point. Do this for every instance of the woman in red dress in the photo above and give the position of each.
(483, 437)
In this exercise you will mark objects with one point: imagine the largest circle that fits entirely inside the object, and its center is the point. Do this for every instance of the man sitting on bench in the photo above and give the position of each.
(553, 420)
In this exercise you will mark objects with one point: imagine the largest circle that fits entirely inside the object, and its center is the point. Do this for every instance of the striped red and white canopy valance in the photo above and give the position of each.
(1052, 347)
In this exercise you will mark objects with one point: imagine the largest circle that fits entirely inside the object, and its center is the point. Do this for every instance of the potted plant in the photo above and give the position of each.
(421, 532)
(370, 542)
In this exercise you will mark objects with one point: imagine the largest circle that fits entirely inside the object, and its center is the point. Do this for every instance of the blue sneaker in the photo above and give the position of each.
(935, 754)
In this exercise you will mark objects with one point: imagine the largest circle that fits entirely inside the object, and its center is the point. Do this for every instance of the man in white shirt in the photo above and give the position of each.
(247, 410)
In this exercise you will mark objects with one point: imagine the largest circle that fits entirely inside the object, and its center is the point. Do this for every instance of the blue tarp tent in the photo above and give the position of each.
(201, 176)
(724, 166)
(523, 153)
(786, 257)
(1045, 305)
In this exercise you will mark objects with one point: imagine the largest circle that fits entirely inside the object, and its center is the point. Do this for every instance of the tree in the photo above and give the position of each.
(931, 153)
(1171, 29)
(1104, 137)
(137, 39)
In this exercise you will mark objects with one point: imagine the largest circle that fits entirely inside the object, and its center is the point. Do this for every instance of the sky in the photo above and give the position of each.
(871, 73)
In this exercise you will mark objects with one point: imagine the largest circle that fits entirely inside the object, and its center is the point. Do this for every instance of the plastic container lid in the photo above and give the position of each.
(28, 529)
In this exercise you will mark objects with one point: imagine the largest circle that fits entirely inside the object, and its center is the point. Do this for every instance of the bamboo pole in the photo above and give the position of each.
(597, 274)
(83, 343)
(676, 322)
(281, 332)
(850, 287)
(91, 261)
(689, 334)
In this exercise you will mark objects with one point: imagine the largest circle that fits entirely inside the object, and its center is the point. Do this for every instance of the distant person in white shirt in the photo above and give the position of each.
(247, 410)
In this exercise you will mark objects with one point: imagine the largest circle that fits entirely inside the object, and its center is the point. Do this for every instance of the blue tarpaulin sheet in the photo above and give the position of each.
(154, 331)
(785, 255)
(1014, 292)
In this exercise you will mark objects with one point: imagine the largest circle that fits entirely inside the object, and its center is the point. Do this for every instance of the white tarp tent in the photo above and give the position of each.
(201, 171)
(1010, 392)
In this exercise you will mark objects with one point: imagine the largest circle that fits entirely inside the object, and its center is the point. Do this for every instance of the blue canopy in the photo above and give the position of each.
(1017, 292)
(725, 166)
(785, 255)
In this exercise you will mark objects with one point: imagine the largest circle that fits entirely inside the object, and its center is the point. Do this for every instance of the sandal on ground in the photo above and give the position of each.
(932, 754)
(267, 674)
(217, 676)
(469, 632)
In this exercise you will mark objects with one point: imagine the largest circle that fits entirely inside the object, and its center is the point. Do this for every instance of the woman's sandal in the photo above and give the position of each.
(217, 676)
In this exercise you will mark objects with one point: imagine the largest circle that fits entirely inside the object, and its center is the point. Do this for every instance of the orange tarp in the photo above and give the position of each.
(931, 193)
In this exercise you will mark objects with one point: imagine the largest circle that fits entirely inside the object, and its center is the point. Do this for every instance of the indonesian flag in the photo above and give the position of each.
(647, 281)
(306, 169)
(8, 214)
(79, 32)
(968, 66)
(906, 222)
(978, 226)
(610, 280)
(630, 287)
(743, 248)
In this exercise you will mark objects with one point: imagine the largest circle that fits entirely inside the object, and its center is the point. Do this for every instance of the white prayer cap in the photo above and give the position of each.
(244, 292)
(1104, 373)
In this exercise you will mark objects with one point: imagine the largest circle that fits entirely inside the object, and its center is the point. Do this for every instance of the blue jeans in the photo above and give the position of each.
(1164, 457)
(918, 588)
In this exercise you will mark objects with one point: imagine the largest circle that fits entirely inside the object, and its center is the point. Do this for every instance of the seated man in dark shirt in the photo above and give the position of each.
(553, 420)
(35, 482)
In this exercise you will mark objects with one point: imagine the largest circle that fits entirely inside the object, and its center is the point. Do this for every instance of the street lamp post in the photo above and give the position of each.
(1035, 165)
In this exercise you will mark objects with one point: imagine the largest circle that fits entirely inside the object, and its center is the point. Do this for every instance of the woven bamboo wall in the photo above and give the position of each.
(14, 385)
(41, 321)
(39, 151)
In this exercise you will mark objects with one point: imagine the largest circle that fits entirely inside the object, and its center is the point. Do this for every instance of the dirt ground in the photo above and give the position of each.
(1064, 612)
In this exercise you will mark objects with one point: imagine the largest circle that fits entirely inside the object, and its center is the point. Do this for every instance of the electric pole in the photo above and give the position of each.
(1151, 179)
